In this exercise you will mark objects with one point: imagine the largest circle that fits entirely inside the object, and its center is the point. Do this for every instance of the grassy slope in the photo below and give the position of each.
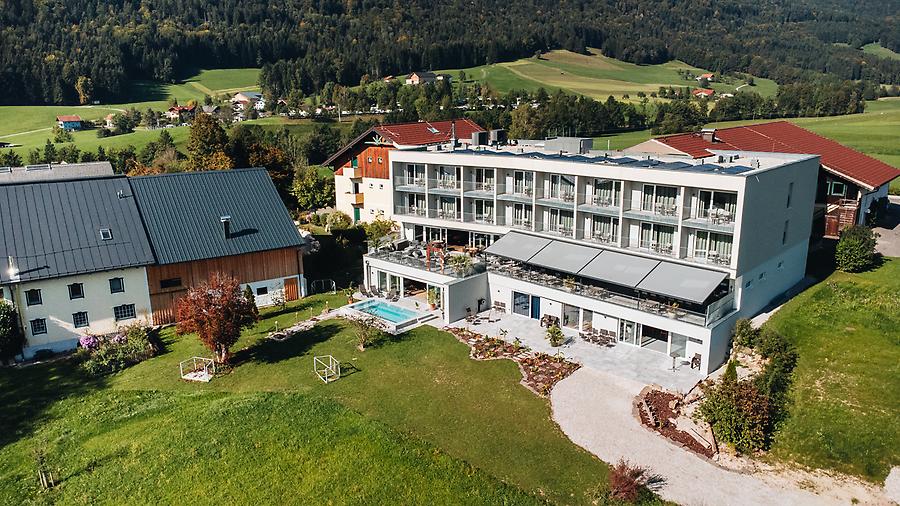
(593, 75)
(876, 49)
(846, 389)
(423, 408)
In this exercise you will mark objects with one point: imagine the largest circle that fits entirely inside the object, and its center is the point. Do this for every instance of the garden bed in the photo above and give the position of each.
(540, 371)
(660, 411)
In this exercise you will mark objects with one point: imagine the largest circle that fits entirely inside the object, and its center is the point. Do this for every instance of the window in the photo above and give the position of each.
(38, 326)
(380, 160)
(170, 283)
(838, 189)
(76, 291)
(369, 159)
(80, 319)
(263, 290)
(105, 234)
(748, 284)
(33, 297)
(381, 187)
(790, 193)
(116, 285)
(124, 312)
(762, 276)
(784, 233)
(695, 340)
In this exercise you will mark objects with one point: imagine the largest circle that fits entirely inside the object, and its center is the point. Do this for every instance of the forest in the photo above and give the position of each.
(79, 51)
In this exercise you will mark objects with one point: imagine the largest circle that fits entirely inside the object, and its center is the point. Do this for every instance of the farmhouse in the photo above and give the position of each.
(662, 253)
(75, 254)
(231, 222)
(180, 112)
(424, 77)
(708, 76)
(703, 92)
(363, 188)
(246, 100)
(69, 122)
(849, 182)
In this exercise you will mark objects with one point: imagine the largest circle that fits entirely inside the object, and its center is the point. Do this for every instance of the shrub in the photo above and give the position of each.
(12, 339)
(744, 333)
(730, 371)
(770, 343)
(855, 250)
(104, 355)
(627, 482)
(338, 220)
(555, 336)
(739, 415)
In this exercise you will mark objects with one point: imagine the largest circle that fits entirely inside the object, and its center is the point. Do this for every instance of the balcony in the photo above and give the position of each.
(445, 214)
(715, 220)
(595, 204)
(353, 172)
(559, 231)
(476, 189)
(357, 198)
(410, 211)
(657, 248)
(449, 187)
(610, 294)
(480, 218)
(516, 193)
(707, 257)
(456, 265)
(516, 223)
(604, 238)
(661, 213)
(409, 184)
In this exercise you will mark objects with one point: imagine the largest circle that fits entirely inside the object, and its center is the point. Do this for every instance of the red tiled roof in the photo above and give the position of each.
(786, 137)
(703, 91)
(68, 118)
(706, 76)
(424, 133)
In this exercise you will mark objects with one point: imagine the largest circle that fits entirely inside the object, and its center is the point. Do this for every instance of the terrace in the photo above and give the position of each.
(449, 263)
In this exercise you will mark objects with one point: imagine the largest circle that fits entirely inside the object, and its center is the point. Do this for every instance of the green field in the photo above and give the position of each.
(594, 75)
(874, 132)
(413, 421)
(876, 49)
(845, 401)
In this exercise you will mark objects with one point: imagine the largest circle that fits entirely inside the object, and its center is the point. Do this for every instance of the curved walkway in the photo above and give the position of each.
(594, 410)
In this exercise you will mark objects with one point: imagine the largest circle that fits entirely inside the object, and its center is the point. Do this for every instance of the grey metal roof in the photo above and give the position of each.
(518, 246)
(54, 172)
(52, 229)
(619, 268)
(682, 281)
(182, 213)
(564, 256)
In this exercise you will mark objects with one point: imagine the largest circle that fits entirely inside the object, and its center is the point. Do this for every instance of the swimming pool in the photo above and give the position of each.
(386, 311)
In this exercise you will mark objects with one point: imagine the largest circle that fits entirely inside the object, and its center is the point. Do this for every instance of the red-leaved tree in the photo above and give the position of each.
(217, 311)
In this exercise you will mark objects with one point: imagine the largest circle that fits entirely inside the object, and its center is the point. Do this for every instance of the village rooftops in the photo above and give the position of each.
(723, 162)
(54, 172)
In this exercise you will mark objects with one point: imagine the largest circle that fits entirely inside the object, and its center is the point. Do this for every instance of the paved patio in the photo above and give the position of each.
(623, 360)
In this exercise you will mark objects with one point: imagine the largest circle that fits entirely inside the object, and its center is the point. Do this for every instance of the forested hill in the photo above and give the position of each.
(49, 46)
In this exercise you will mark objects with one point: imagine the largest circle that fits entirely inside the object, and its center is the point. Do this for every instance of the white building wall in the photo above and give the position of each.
(267, 290)
(57, 309)
(867, 199)
(377, 201)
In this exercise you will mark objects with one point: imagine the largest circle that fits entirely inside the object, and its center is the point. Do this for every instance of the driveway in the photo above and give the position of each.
(594, 410)
(889, 242)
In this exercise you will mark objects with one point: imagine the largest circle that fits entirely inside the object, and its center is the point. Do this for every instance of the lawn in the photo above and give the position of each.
(594, 75)
(878, 50)
(845, 411)
(414, 421)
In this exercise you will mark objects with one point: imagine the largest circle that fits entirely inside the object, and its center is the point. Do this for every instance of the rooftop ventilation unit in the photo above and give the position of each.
(226, 226)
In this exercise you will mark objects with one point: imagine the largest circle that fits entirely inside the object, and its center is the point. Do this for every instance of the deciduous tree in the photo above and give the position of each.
(217, 311)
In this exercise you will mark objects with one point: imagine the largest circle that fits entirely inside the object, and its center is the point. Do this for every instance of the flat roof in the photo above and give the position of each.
(669, 279)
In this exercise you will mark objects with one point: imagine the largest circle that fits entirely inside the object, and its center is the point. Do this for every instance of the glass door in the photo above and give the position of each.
(521, 304)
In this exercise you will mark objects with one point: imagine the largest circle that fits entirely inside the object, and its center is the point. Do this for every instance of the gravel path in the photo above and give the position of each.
(594, 410)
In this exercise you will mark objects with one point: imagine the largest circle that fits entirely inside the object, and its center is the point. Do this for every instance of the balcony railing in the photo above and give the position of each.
(486, 187)
(519, 223)
(706, 257)
(522, 190)
(656, 247)
(602, 237)
(657, 208)
(715, 216)
(482, 218)
(410, 211)
(445, 214)
(417, 258)
(562, 231)
(445, 184)
(557, 281)
(598, 200)
(409, 181)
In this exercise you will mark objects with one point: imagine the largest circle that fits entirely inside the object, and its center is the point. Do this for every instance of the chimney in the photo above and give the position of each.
(708, 135)
(452, 135)
(226, 226)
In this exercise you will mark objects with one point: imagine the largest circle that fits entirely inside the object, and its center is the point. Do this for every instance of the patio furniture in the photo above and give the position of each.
(695, 361)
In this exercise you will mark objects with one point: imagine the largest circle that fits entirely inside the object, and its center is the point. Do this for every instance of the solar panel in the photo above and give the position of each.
(6, 169)
(737, 169)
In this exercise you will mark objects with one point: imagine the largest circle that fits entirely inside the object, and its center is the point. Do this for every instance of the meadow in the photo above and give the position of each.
(595, 75)
(413, 420)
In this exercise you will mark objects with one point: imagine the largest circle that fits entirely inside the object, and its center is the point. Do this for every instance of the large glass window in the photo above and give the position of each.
(447, 208)
(521, 304)
(448, 177)
(562, 187)
(522, 215)
(523, 182)
(571, 314)
(483, 179)
(659, 199)
(606, 192)
(604, 228)
(561, 221)
(658, 238)
(718, 205)
(415, 203)
(714, 247)
(415, 174)
(483, 211)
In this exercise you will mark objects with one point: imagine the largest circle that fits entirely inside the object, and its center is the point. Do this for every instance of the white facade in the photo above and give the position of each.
(51, 324)
(363, 199)
(749, 219)
(268, 291)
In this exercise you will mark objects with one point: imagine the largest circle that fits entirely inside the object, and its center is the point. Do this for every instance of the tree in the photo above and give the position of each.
(249, 295)
(379, 228)
(217, 311)
(312, 190)
(855, 250)
(337, 221)
(207, 138)
(367, 330)
(9, 158)
(49, 152)
(12, 339)
(84, 86)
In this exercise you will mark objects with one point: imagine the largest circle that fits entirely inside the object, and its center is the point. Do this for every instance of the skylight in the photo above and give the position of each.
(105, 234)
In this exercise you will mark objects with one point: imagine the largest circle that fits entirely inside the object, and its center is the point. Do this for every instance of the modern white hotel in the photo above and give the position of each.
(658, 252)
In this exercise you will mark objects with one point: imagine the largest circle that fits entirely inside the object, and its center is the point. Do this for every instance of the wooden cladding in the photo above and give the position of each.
(247, 268)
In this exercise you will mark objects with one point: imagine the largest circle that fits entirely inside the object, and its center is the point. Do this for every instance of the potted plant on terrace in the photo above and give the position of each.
(555, 336)
(432, 297)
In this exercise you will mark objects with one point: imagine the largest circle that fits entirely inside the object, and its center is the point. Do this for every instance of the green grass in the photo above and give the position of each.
(846, 393)
(414, 421)
(877, 49)
(594, 75)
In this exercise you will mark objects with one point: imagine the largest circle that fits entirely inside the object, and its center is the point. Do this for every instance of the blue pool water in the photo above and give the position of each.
(385, 310)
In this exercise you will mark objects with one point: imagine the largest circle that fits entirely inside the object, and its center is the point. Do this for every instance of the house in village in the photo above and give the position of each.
(708, 76)
(848, 181)
(363, 188)
(246, 100)
(69, 122)
(703, 92)
(87, 252)
(422, 77)
(180, 113)
(109, 121)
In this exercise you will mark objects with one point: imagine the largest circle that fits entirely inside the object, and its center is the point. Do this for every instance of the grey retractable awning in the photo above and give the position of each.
(619, 268)
(517, 246)
(682, 282)
(564, 256)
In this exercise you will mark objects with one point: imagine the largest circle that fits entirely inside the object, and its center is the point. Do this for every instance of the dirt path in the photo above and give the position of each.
(25, 133)
(594, 410)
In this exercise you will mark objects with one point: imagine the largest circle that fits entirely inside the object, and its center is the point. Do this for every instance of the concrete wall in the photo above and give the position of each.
(57, 309)
(377, 200)
(273, 287)
(465, 293)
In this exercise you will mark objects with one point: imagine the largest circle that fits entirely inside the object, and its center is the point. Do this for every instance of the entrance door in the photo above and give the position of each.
(521, 304)
(291, 291)
(535, 307)
(356, 215)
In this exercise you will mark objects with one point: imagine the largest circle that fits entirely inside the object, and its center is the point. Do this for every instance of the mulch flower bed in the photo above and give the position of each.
(540, 372)
(656, 413)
